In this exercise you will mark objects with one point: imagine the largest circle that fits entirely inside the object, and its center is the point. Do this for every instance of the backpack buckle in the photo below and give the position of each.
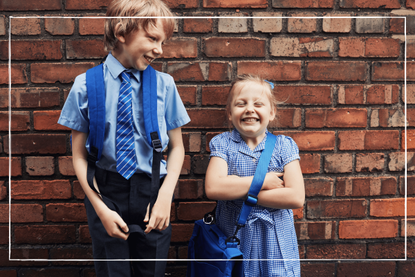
(156, 145)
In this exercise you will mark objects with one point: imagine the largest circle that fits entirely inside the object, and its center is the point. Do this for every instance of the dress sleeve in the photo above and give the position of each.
(74, 114)
(218, 147)
(289, 150)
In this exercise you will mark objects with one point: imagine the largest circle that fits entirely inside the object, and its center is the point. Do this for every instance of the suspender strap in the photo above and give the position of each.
(96, 107)
(259, 176)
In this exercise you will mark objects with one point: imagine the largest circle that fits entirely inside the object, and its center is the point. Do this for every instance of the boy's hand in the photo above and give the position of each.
(160, 215)
(273, 181)
(114, 224)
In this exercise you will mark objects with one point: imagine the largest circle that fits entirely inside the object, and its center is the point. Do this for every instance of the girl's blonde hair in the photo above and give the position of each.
(135, 8)
(241, 79)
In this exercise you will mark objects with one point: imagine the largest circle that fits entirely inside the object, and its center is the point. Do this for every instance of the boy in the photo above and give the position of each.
(133, 44)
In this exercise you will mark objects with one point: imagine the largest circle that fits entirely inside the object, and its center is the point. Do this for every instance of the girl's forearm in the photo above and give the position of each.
(280, 198)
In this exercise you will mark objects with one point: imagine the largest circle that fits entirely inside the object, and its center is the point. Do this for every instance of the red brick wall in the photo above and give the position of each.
(342, 80)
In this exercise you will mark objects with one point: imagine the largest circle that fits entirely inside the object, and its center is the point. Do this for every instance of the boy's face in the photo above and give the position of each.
(139, 48)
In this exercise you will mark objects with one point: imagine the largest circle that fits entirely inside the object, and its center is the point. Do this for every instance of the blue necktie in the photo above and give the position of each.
(126, 160)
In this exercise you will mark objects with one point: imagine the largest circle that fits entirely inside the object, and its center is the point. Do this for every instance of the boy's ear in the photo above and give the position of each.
(117, 33)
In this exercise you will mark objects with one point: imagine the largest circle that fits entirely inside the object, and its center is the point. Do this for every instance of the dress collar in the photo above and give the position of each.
(244, 148)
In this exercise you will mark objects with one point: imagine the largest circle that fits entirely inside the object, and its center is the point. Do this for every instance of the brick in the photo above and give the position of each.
(189, 189)
(301, 24)
(181, 232)
(182, 4)
(336, 118)
(36, 144)
(3, 193)
(188, 94)
(410, 182)
(238, 24)
(51, 73)
(336, 71)
(2, 25)
(396, 26)
(186, 167)
(318, 187)
(267, 25)
(192, 142)
(392, 207)
(71, 254)
(209, 136)
(355, 208)
(410, 140)
(286, 118)
(66, 166)
(22, 5)
(16, 165)
(351, 47)
(382, 94)
(370, 25)
(21, 213)
(392, 71)
(298, 213)
(337, 25)
(272, 71)
(364, 186)
(8, 273)
(47, 121)
(59, 26)
(321, 230)
(410, 47)
(312, 141)
(382, 47)
(234, 47)
(40, 166)
(85, 49)
(91, 26)
(386, 251)
(370, 162)
(44, 234)
(18, 72)
(191, 211)
(180, 47)
(302, 4)
(200, 163)
(410, 116)
(338, 163)
(30, 97)
(32, 50)
(44, 272)
(207, 118)
(368, 229)
(381, 4)
(410, 227)
(387, 118)
(66, 212)
(368, 140)
(82, 5)
(20, 121)
(190, 71)
(84, 236)
(310, 163)
(25, 253)
(351, 94)
(410, 4)
(318, 270)
(198, 25)
(406, 269)
(235, 4)
(374, 269)
(397, 161)
(336, 251)
(25, 26)
(304, 94)
(41, 189)
(302, 47)
(4, 235)
(215, 95)
(78, 192)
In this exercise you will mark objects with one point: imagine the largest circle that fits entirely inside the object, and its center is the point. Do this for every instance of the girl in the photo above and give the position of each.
(269, 232)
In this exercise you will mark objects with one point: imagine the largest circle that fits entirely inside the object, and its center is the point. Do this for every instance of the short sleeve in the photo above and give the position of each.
(218, 147)
(74, 114)
(288, 150)
(175, 112)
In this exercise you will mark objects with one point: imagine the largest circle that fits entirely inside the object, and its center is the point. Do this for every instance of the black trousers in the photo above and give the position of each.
(130, 197)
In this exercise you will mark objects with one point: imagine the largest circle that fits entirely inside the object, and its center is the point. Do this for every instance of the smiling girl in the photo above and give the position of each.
(268, 240)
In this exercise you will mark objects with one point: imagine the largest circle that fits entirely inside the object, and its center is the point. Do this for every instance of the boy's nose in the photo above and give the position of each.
(158, 50)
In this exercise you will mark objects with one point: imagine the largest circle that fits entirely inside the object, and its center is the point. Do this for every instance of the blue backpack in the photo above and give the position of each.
(96, 107)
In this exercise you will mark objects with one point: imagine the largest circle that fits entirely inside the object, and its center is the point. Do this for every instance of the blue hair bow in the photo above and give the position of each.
(271, 84)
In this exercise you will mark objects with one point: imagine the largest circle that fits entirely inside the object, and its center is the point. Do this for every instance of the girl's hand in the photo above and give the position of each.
(114, 224)
(272, 181)
(160, 216)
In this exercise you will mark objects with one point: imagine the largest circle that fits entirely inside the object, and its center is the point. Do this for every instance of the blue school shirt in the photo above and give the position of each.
(170, 111)
(269, 233)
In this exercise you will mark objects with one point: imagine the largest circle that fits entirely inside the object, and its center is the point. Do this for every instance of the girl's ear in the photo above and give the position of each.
(273, 114)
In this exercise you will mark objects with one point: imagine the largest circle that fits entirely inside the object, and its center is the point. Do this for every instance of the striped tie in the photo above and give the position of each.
(126, 160)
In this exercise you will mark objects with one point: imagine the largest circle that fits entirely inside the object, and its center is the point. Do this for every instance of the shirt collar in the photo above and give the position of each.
(116, 68)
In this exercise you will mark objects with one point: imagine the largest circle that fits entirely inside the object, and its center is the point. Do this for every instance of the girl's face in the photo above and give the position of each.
(251, 110)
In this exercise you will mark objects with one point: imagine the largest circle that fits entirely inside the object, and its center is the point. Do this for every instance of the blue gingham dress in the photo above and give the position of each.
(268, 233)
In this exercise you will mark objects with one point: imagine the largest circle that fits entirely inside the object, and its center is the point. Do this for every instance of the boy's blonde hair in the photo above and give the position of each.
(241, 79)
(135, 8)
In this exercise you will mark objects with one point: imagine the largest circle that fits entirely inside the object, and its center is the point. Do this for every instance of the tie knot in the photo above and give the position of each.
(125, 76)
